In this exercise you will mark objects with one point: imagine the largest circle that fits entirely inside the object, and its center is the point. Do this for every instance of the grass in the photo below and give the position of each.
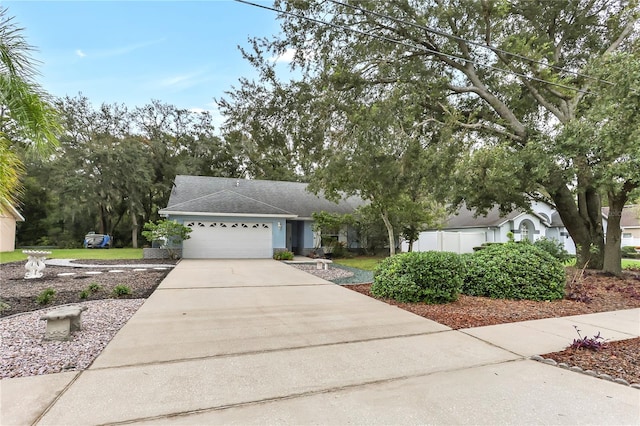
(630, 263)
(361, 262)
(124, 253)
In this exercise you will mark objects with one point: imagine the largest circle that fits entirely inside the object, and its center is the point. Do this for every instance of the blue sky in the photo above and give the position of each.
(181, 52)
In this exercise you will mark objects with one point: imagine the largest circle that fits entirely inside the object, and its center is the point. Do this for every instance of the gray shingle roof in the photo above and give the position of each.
(464, 218)
(203, 194)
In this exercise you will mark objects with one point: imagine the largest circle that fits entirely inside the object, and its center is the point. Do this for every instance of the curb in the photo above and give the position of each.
(577, 369)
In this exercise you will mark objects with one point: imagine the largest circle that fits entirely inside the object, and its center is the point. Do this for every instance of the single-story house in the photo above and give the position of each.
(9, 216)
(239, 218)
(464, 230)
(629, 223)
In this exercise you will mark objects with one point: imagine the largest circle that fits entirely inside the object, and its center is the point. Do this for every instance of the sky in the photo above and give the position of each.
(183, 53)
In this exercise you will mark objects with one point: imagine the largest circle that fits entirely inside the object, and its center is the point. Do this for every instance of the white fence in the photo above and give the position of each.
(457, 242)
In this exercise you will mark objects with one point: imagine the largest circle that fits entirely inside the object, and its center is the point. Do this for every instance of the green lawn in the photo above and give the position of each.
(630, 263)
(124, 253)
(362, 262)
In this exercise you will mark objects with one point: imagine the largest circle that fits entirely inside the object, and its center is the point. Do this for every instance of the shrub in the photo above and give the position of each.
(94, 287)
(4, 306)
(45, 296)
(283, 255)
(514, 271)
(121, 290)
(170, 232)
(629, 252)
(554, 247)
(90, 289)
(430, 277)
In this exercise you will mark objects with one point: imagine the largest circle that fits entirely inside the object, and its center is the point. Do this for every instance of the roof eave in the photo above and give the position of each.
(165, 212)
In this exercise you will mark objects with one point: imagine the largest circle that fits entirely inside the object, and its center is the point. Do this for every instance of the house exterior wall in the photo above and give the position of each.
(7, 233)
(630, 237)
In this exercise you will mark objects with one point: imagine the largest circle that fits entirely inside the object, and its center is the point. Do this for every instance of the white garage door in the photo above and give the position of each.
(228, 240)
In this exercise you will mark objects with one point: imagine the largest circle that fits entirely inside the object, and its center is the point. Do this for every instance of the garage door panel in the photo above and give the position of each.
(228, 240)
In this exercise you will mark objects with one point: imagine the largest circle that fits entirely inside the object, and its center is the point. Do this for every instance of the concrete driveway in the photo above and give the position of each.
(260, 342)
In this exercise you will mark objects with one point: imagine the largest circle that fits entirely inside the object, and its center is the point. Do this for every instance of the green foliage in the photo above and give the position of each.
(330, 223)
(283, 255)
(28, 118)
(430, 277)
(121, 290)
(45, 296)
(90, 289)
(554, 247)
(170, 232)
(4, 306)
(629, 252)
(114, 169)
(94, 287)
(514, 271)
(363, 107)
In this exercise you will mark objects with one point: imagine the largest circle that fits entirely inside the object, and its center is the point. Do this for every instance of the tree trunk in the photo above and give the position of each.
(584, 224)
(134, 230)
(592, 213)
(387, 223)
(612, 253)
(103, 220)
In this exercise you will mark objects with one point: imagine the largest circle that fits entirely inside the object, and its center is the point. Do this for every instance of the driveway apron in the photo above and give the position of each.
(261, 342)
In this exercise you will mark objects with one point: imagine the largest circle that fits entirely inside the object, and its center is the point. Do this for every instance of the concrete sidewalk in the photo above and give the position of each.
(260, 342)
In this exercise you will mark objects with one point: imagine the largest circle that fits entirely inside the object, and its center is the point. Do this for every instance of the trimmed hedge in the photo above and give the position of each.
(429, 277)
(514, 271)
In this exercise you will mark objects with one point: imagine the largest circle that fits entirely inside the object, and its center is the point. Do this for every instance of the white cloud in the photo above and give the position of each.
(117, 51)
(182, 81)
(129, 48)
(286, 57)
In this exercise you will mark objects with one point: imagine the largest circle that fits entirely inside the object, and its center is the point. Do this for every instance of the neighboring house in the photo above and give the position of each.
(629, 223)
(238, 218)
(462, 231)
(9, 216)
